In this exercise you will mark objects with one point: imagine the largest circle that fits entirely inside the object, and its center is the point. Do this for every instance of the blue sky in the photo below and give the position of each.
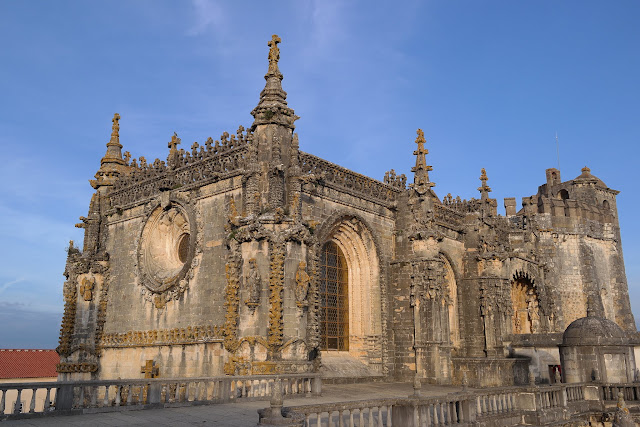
(490, 82)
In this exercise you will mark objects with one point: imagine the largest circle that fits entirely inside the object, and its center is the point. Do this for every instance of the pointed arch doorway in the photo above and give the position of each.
(350, 309)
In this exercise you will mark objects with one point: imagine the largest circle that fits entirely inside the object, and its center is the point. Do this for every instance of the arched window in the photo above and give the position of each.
(563, 194)
(334, 299)
(605, 205)
(524, 300)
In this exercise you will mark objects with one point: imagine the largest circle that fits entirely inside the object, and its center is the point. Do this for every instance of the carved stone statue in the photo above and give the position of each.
(532, 311)
(302, 285)
(253, 285)
(87, 284)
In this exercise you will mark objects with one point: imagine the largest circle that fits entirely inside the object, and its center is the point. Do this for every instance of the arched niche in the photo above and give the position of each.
(356, 244)
(451, 300)
(526, 305)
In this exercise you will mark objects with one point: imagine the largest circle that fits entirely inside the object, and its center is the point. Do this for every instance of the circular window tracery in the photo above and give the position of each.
(165, 248)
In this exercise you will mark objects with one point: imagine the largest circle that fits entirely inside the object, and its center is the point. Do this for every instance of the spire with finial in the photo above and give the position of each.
(112, 164)
(421, 170)
(114, 148)
(484, 189)
(272, 107)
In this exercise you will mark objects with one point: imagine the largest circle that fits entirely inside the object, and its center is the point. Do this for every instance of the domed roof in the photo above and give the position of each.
(586, 177)
(592, 330)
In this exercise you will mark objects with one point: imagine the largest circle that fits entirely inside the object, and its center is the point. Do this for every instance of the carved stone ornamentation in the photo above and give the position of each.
(84, 367)
(87, 285)
(175, 336)
(254, 285)
(302, 285)
(232, 298)
(276, 287)
(166, 253)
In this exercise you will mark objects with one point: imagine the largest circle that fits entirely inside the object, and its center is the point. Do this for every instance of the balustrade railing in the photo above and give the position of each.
(494, 407)
(97, 395)
(495, 403)
(630, 392)
(371, 413)
(29, 398)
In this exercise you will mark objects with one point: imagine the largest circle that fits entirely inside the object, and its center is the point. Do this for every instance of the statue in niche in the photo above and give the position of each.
(532, 310)
(87, 283)
(253, 285)
(302, 285)
(517, 327)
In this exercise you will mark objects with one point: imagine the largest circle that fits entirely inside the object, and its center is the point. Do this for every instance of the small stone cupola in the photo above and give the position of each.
(596, 349)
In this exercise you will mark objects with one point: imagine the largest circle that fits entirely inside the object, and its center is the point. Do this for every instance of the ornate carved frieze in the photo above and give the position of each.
(201, 166)
(70, 368)
(175, 336)
(357, 185)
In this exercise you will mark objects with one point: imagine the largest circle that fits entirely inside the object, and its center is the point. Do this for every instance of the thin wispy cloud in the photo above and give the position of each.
(6, 285)
(208, 16)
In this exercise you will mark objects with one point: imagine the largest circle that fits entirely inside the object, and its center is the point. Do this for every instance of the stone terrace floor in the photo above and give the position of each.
(230, 414)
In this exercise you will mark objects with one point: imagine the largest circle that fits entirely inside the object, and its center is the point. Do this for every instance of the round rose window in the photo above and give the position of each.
(165, 247)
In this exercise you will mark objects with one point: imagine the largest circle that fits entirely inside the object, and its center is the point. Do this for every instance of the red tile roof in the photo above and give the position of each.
(28, 363)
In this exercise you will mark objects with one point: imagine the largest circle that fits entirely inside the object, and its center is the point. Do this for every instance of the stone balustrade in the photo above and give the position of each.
(492, 407)
(630, 392)
(102, 395)
(372, 413)
(502, 407)
(32, 397)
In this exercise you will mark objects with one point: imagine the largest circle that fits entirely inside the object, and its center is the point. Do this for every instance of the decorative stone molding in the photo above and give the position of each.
(276, 288)
(68, 368)
(175, 336)
(186, 170)
(232, 297)
(353, 183)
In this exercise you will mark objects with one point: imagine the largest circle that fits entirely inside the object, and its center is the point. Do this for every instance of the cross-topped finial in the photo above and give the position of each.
(115, 128)
(173, 144)
(274, 53)
(484, 189)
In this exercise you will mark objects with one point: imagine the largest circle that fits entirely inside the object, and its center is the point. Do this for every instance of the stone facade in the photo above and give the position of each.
(215, 261)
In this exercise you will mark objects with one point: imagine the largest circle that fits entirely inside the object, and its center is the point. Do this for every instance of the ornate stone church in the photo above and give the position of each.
(246, 256)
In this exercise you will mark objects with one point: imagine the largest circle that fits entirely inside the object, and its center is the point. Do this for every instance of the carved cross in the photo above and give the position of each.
(149, 369)
(274, 52)
(116, 126)
(173, 144)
